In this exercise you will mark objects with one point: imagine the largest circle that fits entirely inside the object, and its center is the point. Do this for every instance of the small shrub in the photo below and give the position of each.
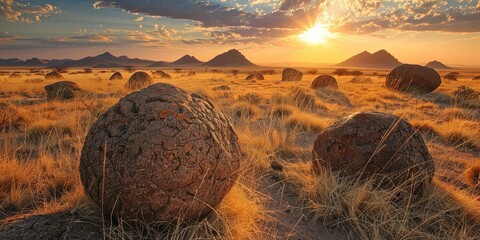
(466, 93)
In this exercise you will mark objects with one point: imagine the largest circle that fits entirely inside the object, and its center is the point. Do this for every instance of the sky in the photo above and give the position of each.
(266, 31)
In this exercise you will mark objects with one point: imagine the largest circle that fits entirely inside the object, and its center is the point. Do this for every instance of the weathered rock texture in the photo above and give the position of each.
(413, 78)
(116, 76)
(371, 144)
(53, 226)
(139, 80)
(255, 76)
(169, 156)
(324, 81)
(290, 74)
(53, 76)
(62, 90)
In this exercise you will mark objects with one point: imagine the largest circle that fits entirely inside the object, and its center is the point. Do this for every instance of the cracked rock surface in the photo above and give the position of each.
(62, 90)
(290, 74)
(324, 81)
(169, 156)
(139, 80)
(64, 225)
(408, 77)
(371, 144)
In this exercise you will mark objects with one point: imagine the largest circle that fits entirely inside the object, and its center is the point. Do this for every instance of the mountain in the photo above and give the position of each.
(187, 60)
(437, 65)
(108, 60)
(380, 59)
(232, 58)
(11, 62)
(159, 64)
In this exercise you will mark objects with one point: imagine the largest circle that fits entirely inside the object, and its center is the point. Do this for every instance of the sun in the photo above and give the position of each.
(316, 35)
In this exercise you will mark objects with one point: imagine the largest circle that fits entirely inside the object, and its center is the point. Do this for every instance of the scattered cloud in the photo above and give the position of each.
(15, 11)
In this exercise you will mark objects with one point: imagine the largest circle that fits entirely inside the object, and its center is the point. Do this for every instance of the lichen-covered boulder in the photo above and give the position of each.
(54, 76)
(139, 80)
(290, 74)
(255, 76)
(324, 81)
(116, 76)
(413, 78)
(160, 154)
(62, 90)
(375, 145)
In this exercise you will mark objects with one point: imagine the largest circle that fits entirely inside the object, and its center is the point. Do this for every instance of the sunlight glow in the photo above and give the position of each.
(316, 35)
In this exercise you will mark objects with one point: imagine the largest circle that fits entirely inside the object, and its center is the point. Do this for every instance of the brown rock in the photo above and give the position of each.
(290, 74)
(191, 73)
(62, 90)
(255, 76)
(161, 74)
(413, 78)
(54, 76)
(476, 78)
(64, 225)
(169, 156)
(116, 76)
(324, 81)
(379, 145)
(139, 80)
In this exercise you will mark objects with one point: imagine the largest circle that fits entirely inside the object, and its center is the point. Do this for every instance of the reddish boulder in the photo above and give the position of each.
(378, 145)
(160, 154)
(290, 74)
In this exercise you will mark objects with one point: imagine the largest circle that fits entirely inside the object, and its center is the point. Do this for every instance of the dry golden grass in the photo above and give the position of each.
(275, 121)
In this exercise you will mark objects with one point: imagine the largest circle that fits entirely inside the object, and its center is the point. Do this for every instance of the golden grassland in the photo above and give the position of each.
(277, 123)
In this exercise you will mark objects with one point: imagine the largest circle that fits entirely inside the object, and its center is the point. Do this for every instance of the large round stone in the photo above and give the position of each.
(375, 145)
(255, 76)
(139, 80)
(413, 78)
(290, 74)
(324, 81)
(116, 76)
(62, 90)
(160, 154)
(53, 76)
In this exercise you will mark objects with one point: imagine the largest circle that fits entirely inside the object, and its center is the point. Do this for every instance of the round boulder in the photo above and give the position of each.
(255, 76)
(160, 154)
(54, 76)
(62, 90)
(324, 81)
(139, 80)
(413, 78)
(116, 76)
(375, 145)
(161, 74)
(290, 74)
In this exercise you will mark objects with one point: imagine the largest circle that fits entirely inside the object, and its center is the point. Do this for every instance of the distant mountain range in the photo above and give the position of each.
(380, 59)
(437, 65)
(232, 58)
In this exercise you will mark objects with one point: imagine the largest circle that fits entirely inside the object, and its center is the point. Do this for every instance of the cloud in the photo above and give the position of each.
(14, 11)
(292, 4)
(139, 19)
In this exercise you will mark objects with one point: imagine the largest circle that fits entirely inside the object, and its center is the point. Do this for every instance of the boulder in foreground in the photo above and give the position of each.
(169, 156)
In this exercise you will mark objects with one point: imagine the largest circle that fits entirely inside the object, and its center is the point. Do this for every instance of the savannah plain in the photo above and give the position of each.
(277, 195)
